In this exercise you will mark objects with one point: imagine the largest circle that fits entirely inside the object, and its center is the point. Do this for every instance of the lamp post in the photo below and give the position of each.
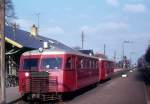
(104, 49)
(123, 50)
(131, 53)
(2, 52)
(82, 39)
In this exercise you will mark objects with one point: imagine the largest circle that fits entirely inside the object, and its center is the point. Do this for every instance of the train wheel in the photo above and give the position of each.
(26, 97)
(68, 96)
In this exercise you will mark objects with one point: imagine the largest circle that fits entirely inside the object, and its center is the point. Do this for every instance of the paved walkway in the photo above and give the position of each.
(12, 94)
(123, 90)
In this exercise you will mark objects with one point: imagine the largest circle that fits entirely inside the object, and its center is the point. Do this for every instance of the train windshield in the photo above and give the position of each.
(52, 63)
(30, 64)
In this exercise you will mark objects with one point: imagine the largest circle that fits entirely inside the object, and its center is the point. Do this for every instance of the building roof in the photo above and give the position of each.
(25, 39)
(88, 52)
(102, 56)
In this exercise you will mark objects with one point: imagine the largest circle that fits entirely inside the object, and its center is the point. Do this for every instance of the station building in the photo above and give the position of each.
(18, 41)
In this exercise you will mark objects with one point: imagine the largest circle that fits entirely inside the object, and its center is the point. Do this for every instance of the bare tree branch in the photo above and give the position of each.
(10, 12)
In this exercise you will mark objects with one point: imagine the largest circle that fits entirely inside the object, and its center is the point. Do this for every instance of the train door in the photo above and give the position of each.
(107, 69)
(100, 69)
(69, 75)
(82, 72)
(103, 70)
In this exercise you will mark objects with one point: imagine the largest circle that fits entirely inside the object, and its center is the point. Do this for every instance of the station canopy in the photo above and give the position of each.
(21, 38)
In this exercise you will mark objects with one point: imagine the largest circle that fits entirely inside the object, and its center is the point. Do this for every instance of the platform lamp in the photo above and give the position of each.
(123, 49)
(131, 53)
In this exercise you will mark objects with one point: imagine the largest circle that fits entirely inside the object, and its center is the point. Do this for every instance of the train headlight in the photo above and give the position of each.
(27, 74)
(40, 50)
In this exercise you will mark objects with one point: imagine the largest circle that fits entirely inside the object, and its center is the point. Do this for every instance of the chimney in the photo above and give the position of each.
(34, 30)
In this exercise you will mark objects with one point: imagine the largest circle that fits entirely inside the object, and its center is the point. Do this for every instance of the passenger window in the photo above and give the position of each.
(90, 65)
(68, 63)
(81, 63)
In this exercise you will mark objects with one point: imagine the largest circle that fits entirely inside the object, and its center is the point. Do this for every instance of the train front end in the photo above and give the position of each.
(40, 75)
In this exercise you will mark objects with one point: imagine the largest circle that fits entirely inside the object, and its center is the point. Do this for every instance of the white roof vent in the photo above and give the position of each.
(50, 41)
(45, 45)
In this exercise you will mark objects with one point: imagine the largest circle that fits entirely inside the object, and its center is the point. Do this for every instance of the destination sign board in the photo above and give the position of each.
(39, 74)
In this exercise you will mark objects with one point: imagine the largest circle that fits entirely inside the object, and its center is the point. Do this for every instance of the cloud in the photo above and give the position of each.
(90, 29)
(24, 24)
(135, 8)
(84, 16)
(68, 9)
(116, 25)
(106, 27)
(52, 30)
(112, 2)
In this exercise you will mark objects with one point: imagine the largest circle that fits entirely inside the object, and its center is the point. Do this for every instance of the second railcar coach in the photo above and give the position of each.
(106, 69)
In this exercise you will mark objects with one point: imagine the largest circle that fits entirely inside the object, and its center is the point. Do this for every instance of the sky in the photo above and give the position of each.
(109, 22)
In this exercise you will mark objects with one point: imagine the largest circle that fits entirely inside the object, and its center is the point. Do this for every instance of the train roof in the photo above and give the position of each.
(56, 51)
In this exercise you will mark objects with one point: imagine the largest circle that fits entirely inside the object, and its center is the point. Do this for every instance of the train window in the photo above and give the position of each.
(30, 64)
(78, 63)
(68, 63)
(51, 63)
(81, 63)
(94, 64)
(85, 63)
(97, 65)
(90, 64)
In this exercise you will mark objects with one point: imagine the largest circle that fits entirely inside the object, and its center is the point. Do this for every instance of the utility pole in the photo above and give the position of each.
(115, 54)
(2, 52)
(82, 39)
(104, 49)
(123, 50)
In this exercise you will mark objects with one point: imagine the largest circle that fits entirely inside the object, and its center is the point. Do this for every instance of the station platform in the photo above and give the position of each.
(129, 89)
(12, 94)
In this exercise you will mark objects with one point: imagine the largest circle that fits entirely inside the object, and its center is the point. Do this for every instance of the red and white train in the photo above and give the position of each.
(45, 73)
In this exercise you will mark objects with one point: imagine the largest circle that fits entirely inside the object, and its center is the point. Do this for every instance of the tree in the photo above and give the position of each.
(9, 12)
(147, 55)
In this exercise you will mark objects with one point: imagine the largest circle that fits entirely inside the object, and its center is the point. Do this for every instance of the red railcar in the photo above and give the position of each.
(56, 70)
(106, 69)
